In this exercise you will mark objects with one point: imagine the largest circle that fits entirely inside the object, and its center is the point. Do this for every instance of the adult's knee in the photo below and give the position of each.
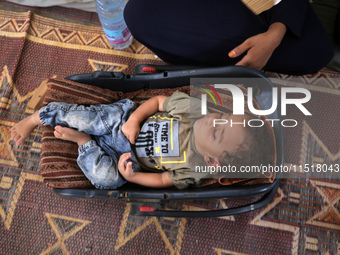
(302, 56)
(135, 15)
(322, 58)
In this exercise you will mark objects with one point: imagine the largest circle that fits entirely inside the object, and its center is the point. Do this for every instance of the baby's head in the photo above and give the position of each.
(221, 143)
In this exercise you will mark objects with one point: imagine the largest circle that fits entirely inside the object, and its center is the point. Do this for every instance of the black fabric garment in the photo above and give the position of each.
(337, 28)
(202, 32)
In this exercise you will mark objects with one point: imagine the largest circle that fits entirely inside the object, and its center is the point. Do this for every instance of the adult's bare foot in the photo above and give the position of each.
(23, 129)
(72, 135)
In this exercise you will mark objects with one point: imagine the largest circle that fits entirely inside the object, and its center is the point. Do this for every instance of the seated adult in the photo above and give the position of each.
(288, 38)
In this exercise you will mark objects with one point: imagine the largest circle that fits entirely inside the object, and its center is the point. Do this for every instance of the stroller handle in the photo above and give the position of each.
(136, 209)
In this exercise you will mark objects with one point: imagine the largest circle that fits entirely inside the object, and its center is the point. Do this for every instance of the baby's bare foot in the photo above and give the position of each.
(72, 135)
(23, 129)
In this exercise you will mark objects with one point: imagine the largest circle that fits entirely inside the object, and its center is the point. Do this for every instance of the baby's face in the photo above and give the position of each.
(212, 141)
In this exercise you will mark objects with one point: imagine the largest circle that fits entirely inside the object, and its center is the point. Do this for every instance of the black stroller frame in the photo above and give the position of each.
(146, 201)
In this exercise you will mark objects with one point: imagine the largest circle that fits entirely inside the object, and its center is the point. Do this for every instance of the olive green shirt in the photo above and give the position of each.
(166, 142)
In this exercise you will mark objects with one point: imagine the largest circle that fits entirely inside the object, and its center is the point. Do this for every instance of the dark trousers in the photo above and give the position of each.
(202, 32)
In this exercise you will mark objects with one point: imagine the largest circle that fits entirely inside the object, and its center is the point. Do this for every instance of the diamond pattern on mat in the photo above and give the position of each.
(64, 227)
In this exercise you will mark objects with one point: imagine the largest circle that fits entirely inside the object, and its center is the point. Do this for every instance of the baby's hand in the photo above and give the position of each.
(131, 130)
(124, 167)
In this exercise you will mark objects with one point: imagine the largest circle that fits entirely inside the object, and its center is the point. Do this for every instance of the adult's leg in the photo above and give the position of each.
(203, 32)
(307, 54)
(195, 32)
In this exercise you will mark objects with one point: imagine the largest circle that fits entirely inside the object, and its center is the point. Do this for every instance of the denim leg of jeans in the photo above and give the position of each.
(88, 119)
(97, 159)
(99, 167)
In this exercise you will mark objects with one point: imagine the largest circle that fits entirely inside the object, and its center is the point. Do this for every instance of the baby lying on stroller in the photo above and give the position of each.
(159, 144)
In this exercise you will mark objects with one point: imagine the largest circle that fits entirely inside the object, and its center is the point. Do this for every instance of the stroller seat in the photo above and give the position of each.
(61, 172)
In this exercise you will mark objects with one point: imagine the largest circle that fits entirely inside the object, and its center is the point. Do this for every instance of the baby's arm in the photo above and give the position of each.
(131, 127)
(152, 180)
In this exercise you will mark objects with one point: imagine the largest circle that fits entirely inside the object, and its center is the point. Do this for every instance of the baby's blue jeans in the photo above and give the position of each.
(98, 158)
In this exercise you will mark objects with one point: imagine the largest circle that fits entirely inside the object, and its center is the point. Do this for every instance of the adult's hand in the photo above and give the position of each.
(259, 47)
